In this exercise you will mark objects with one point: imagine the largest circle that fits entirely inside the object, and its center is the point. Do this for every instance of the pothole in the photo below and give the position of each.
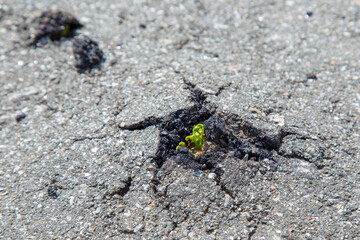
(229, 138)
(51, 25)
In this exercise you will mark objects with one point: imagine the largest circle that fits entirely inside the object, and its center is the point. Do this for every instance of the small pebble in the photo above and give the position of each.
(212, 176)
(97, 210)
(138, 228)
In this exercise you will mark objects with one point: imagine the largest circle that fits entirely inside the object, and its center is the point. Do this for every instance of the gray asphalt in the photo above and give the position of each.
(73, 166)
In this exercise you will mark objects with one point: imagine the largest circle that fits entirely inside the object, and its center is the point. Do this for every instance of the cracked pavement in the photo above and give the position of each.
(91, 155)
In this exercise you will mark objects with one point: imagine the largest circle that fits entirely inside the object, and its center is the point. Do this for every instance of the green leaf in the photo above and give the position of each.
(63, 33)
(181, 144)
(195, 141)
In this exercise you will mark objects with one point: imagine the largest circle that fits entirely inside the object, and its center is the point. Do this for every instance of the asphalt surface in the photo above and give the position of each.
(89, 155)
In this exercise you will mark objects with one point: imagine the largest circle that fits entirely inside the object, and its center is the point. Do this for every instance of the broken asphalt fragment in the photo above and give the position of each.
(87, 53)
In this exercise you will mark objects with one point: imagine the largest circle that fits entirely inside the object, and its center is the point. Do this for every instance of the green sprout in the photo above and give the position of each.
(63, 33)
(194, 142)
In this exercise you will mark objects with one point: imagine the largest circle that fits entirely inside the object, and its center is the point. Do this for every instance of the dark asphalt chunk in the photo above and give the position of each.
(87, 53)
(19, 117)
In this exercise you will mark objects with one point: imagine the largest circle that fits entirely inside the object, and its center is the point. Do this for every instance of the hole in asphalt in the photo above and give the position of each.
(226, 133)
(53, 25)
(236, 150)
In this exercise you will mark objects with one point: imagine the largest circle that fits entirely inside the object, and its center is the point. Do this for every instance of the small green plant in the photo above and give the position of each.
(63, 33)
(194, 142)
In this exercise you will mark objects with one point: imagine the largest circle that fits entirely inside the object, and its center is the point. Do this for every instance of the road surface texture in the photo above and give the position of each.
(96, 95)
